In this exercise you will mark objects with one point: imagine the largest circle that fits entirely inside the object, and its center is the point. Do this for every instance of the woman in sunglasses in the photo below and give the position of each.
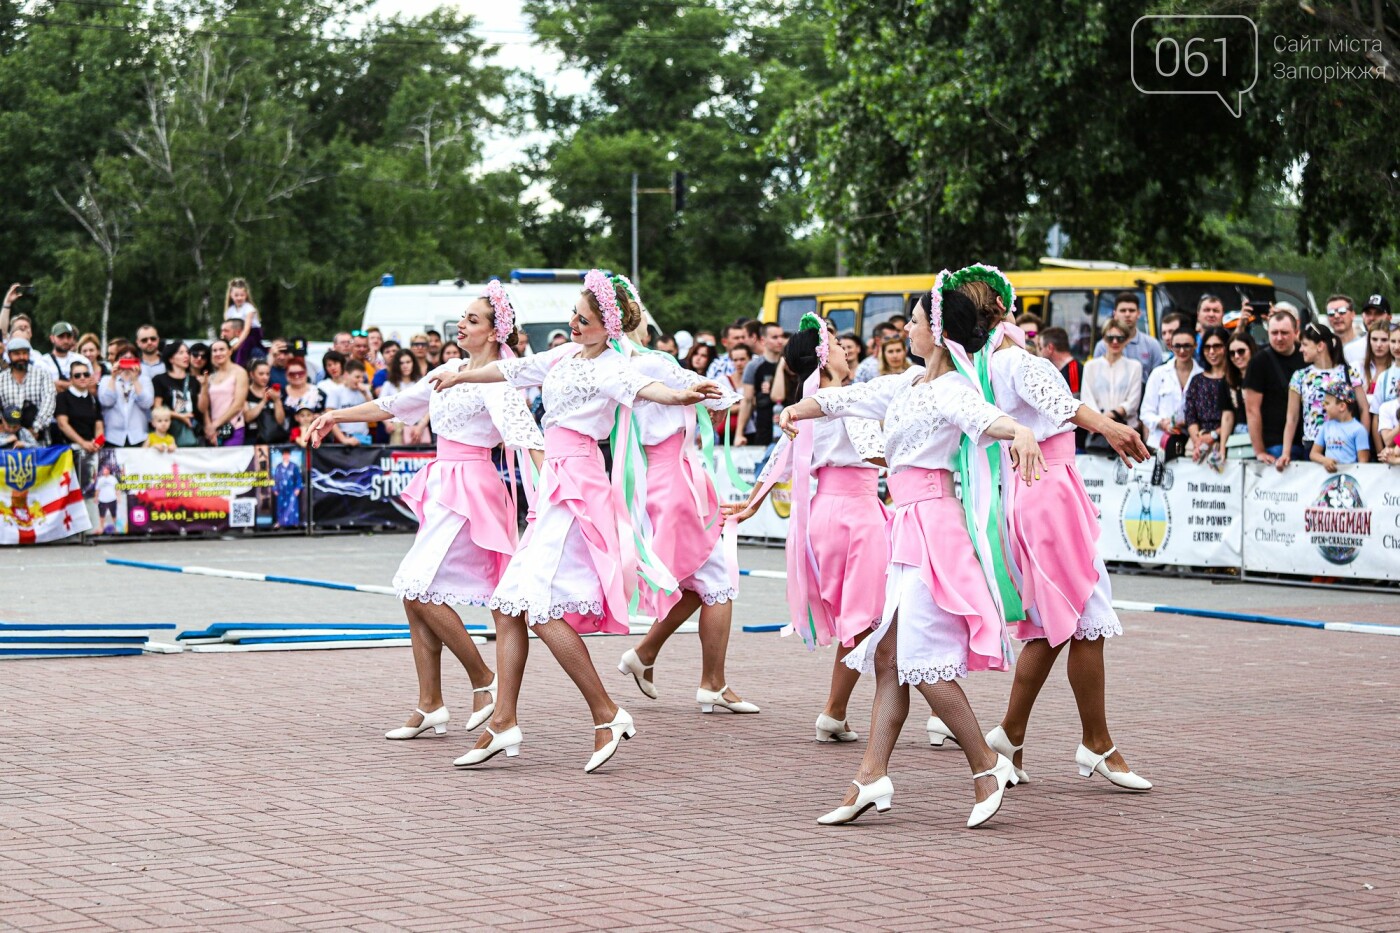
(1112, 382)
(1201, 405)
(1233, 414)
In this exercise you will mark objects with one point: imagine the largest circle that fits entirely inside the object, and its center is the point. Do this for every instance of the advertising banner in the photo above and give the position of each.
(362, 487)
(1314, 523)
(142, 491)
(1180, 513)
(41, 497)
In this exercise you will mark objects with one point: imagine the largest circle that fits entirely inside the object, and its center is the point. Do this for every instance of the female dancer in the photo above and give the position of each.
(571, 573)
(844, 543)
(466, 515)
(942, 616)
(1052, 533)
(682, 509)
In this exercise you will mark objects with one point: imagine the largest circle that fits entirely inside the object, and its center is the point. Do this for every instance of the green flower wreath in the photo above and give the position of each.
(993, 276)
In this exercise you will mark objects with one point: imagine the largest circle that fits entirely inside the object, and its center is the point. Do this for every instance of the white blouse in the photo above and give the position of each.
(1107, 386)
(924, 421)
(657, 422)
(481, 415)
(579, 394)
(1032, 391)
(839, 442)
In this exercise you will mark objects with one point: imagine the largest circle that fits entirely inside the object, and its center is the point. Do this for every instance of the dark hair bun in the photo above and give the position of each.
(961, 322)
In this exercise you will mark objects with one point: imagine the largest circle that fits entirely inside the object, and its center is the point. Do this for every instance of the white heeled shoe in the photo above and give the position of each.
(878, 794)
(1089, 762)
(483, 714)
(631, 664)
(436, 720)
(709, 699)
(508, 742)
(833, 730)
(622, 728)
(1006, 776)
(937, 732)
(1002, 746)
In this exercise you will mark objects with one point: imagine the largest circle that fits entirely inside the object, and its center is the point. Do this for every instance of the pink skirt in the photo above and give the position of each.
(569, 564)
(949, 623)
(681, 538)
(850, 548)
(1054, 533)
(466, 528)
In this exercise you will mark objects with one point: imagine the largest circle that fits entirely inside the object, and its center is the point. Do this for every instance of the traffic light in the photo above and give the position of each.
(678, 191)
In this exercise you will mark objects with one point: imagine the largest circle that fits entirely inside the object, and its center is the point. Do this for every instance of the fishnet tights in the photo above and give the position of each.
(431, 627)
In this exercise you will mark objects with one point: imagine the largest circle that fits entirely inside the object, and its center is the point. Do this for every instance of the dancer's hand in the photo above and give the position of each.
(442, 381)
(1126, 442)
(700, 392)
(786, 423)
(320, 428)
(1026, 455)
(738, 511)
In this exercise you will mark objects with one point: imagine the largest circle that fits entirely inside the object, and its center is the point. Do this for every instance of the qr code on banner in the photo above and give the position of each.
(241, 512)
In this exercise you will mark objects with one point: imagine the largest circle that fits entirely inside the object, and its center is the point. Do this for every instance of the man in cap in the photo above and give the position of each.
(58, 361)
(1376, 310)
(13, 433)
(20, 385)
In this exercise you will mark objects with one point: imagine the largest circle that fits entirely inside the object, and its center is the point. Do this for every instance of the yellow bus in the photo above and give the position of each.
(1075, 295)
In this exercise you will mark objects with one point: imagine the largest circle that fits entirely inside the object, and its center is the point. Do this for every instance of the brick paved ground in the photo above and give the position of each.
(253, 792)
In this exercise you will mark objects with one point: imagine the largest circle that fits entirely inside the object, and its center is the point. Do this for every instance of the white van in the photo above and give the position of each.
(544, 300)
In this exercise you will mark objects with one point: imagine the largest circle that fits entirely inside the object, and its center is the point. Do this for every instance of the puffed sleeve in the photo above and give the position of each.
(410, 405)
(866, 437)
(620, 380)
(1038, 382)
(511, 418)
(966, 409)
(863, 400)
(525, 372)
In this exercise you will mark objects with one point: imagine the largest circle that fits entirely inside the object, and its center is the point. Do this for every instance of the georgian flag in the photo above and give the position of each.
(40, 496)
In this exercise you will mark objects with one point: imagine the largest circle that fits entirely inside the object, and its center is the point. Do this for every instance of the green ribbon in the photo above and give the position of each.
(633, 455)
(735, 479)
(1012, 608)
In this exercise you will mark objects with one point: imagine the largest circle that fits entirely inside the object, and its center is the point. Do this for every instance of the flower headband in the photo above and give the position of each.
(605, 293)
(501, 309)
(619, 280)
(935, 306)
(980, 272)
(811, 322)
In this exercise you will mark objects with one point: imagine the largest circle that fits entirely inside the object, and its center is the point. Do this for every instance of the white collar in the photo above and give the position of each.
(77, 393)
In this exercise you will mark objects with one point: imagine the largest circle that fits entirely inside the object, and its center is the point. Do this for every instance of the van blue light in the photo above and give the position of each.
(548, 275)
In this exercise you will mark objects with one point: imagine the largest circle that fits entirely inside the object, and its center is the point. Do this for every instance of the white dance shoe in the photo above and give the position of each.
(1006, 776)
(622, 728)
(1089, 762)
(833, 730)
(878, 794)
(937, 732)
(436, 720)
(508, 742)
(483, 714)
(631, 664)
(709, 699)
(1002, 746)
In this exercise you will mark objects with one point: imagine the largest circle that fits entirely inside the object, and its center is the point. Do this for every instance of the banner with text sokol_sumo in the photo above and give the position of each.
(1311, 522)
(143, 491)
(1179, 513)
(362, 487)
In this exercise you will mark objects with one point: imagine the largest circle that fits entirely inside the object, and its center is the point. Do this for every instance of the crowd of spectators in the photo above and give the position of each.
(1205, 390)
(1325, 392)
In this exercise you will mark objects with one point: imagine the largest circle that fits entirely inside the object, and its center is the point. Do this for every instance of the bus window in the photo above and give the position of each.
(1074, 311)
(790, 311)
(843, 319)
(878, 308)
